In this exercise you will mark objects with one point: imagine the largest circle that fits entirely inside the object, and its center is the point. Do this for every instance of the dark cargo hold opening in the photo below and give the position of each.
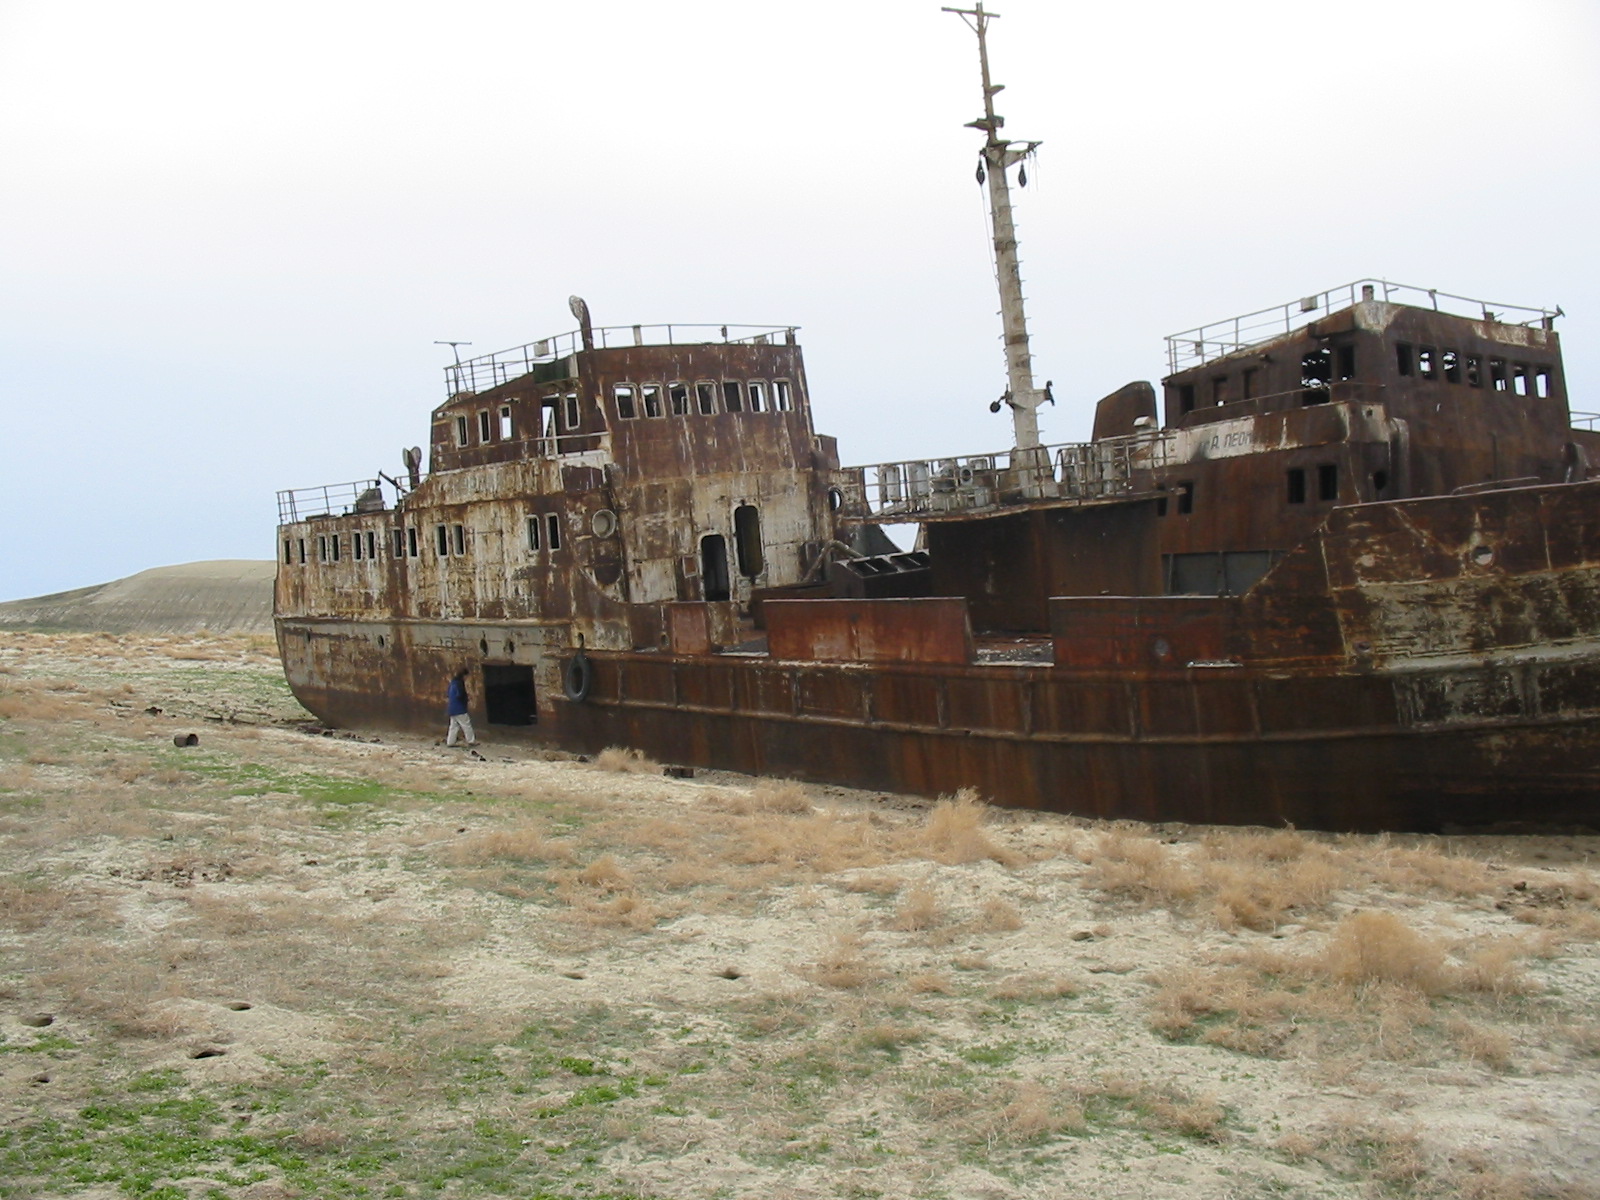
(508, 694)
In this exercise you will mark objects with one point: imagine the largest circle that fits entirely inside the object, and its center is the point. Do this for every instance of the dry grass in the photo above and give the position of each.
(954, 833)
(524, 844)
(845, 964)
(626, 760)
(918, 911)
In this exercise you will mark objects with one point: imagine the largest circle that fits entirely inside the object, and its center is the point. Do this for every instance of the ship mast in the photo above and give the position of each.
(999, 155)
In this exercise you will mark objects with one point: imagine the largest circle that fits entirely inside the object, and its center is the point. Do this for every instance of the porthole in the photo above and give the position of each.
(1483, 555)
(835, 499)
(604, 523)
(483, 645)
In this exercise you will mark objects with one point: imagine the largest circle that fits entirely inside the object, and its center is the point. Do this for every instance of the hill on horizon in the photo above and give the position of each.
(230, 595)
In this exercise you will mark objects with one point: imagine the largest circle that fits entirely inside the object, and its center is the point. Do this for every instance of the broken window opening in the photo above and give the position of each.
(288, 552)
(1426, 363)
(622, 396)
(1297, 485)
(1450, 361)
(1316, 370)
(781, 400)
(1474, 371)
(1327, 481)
(552, 529)
(651, 394)
(485, 430)
(1497, 375)
(1346, 362)
(1402, 357)
(574, 418)
(322, 547)
(442, 533)
(333, 545)
(747, 540)
(508, 697)
(505, 423)
(372, 544)
(463, 431)
(732, 400)
(1247, 383)
(1380, 480)
(399, 537)
(1185, 398)
(756, 393)
(705, 396)
(356, 548)
(714, 567)
(1185, 498)
(302, 550)
(1541, 382)
(1519, 378)
(533, 534)
(461, 539)
(1219, 390)
(411, 541)
(678, 398)
(1161, 506)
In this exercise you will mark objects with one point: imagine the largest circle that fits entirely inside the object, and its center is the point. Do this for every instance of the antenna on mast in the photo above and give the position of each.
(998, 156)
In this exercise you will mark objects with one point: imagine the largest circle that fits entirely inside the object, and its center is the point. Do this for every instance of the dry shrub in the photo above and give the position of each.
(889, 1036)
(1375, 946)
(770, 796)
(525, 844)
(1141, 868)
(918, 911)
(845, 964)
(925, 983)
(1494, 967)
(1421, 868)
(824, 842)
(626, 760)
(1491, 1047)
(605, 874)
(626, 910)
(26, 907)
(998, 916)
(1023, 1112)
(877, 885)
(954, 833)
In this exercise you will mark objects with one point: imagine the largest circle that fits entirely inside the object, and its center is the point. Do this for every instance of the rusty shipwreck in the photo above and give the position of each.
(1347, 577)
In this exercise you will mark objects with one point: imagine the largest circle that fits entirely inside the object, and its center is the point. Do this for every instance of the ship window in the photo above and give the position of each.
(1450, 363)
(781, 401)
(571, 399)
(1474, 371)
(1426, 362)
(1347, 362)
(356, 546)
(442, 535)
(1185, 398)
(1247, 382)
(333, 546)
(1297, 485)
(322, 547)
(302, 550)
(1497, 374)
(1316, 369)
(651, 395)
(714, 567)
(399, 543)
(1219, 390)
(678, 397)
(288, 551)
(1519, 378)
(1161, 506)
(757, 394)
(552, 527)
(1541, 382)
(485, 430)
(622, 393)
(463, 431)
(747, 540)
(372, 544)
(533, 534)
(505, 422)
(461, 539)
(1185, 498)
(732, 401)
(411, 541)
(705, 396)
(1328, 481)
(1402, 355)
(1380, 480)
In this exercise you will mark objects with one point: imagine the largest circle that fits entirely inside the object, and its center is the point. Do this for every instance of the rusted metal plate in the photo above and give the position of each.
(878, 631)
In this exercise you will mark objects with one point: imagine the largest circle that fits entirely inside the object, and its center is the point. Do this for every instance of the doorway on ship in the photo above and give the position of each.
(714, 567)
(508, 694)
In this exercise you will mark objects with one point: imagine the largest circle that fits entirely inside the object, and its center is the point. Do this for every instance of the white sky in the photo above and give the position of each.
(230, 233)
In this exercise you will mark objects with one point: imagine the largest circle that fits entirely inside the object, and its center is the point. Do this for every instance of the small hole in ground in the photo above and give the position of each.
(208, 1053)
(240, 1006)
(730, 973)
(573, 975)
(39, 1020)
(39, 1079)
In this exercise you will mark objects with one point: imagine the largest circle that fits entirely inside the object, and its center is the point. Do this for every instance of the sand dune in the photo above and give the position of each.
(225, 596)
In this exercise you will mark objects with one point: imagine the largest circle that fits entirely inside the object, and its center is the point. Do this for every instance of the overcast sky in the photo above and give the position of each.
(230, 233)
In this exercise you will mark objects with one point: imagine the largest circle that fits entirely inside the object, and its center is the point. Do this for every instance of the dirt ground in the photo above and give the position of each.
(276, 964)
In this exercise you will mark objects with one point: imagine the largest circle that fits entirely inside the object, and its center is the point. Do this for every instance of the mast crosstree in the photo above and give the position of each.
(999, 155)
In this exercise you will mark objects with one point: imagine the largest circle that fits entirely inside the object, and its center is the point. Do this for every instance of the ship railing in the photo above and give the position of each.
(1583, 420)
(1077, 471)
(491, 370)
(330, 500)
(1218, 339)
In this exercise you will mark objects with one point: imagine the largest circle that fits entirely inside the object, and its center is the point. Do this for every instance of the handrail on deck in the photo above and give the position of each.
(1218, 339)
(331, 500)
(491, 370)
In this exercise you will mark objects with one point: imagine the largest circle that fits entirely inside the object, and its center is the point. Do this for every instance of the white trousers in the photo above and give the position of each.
(460, 723)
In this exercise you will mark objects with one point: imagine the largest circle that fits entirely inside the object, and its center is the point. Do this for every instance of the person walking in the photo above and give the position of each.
(456, 708)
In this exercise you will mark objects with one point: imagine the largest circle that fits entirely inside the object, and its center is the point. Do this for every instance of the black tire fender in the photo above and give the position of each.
(577, 677)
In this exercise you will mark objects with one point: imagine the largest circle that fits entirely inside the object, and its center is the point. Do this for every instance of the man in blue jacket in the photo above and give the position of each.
(456, 707)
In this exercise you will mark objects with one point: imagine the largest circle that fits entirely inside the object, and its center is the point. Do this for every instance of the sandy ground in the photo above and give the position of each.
(277, 964)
